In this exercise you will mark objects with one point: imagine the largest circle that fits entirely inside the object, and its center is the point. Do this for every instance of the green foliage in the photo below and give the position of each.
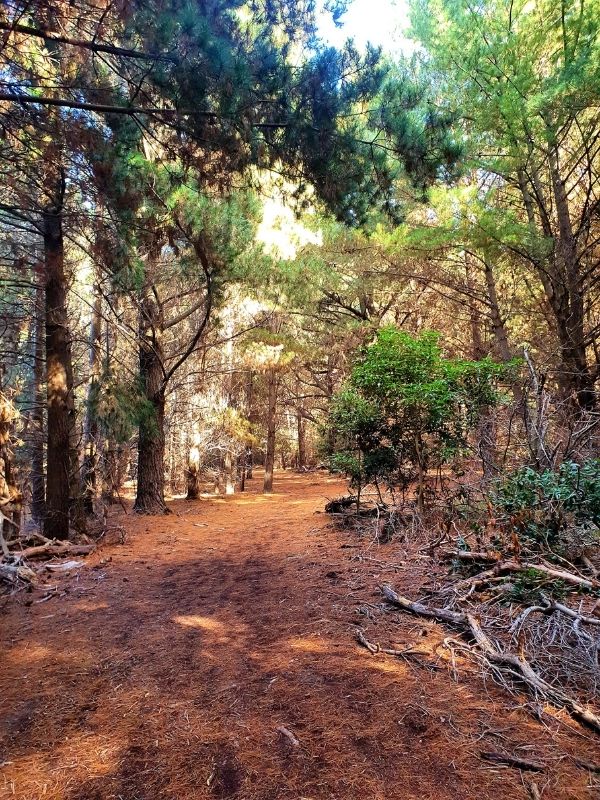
(528, 586)
(120, 407)
(406, 408)
(545, 506)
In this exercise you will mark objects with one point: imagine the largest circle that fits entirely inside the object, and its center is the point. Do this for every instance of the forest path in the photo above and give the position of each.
(183, 665)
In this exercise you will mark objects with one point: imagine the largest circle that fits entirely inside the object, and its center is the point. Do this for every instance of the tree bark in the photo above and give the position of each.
(59, 379)
(301, 422)
(271, 429)
(193, 469)
(251, 414)
(38, 483)
(151, 441)
(90, 428)
(229, 470)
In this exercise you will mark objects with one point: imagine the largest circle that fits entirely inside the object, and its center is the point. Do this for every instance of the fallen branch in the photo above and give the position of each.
(513, 761)
(53, 550)
(376, 648)
(509, 660)
(586, 765)
(520, 566)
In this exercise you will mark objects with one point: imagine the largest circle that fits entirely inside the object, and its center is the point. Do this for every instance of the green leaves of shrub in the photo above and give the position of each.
(544, 505)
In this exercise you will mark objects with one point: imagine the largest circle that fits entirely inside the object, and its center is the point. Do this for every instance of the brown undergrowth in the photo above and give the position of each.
(167, 667)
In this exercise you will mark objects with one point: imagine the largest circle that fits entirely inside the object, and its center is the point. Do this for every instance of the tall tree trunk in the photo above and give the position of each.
(59, 379)
(90, 428)
(271, 429)
(498, 326)
(229, 470)
(477, 346)
(193, 468)
(249, 459)
(576, 377)
(486, 428)
(150, 497)
(301, 422)
(38, 484)
(241, 469)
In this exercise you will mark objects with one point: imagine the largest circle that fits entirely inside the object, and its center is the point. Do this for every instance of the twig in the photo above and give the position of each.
(376, 648)
(287, 733)
(513, 761)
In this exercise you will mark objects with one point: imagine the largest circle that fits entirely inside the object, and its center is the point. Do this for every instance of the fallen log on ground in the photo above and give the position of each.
(512, 662)
(53, 550)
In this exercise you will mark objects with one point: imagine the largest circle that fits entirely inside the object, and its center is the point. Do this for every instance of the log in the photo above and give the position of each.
(453, 617)
(53, 550)
(511, 661)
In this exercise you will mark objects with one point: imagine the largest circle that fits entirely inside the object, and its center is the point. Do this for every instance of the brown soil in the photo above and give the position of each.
(165, 668)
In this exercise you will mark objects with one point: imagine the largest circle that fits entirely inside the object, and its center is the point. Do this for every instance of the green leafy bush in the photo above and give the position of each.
(407, 409)
(545, 506)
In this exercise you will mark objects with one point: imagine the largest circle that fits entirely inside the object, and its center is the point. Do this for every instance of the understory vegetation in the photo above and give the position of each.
(229, 249)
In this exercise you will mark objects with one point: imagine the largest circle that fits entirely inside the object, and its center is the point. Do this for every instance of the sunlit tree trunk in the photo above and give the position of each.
(59, 377)
(249, 459)
(193, 468)
(90, 428)
(38, 484)
(229, 470)
(271, 429)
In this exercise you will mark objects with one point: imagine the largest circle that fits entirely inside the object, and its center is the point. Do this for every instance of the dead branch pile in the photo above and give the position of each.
(501, 660)
(16, 572)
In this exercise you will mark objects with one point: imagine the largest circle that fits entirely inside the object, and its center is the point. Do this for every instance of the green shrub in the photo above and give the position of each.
(407, 409)
(545, 506)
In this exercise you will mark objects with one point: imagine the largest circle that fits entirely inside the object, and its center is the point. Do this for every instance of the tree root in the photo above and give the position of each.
(376, 648)
(510, 661)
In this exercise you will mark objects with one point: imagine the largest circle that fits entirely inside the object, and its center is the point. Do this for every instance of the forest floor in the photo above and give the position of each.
(213, 655)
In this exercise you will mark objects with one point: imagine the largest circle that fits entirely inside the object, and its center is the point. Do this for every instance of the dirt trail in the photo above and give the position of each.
(168, 666)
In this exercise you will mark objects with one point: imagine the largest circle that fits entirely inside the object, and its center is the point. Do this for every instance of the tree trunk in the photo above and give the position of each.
(249, 461)
(90, 428)
(241, 469)
(150, 497)
(251, 414)
(229, 469)
(38, 487)
(301, 439)
(59, 380)
(576, 378)
(193, 469)
(271, 429)
(477, 345)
